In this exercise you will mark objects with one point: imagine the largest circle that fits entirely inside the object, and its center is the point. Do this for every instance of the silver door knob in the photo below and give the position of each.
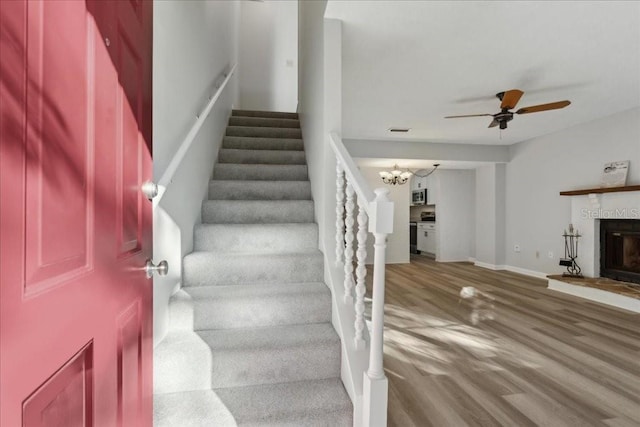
(149, 189)
(150, 268)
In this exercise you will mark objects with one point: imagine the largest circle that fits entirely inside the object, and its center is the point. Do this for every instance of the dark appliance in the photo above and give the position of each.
(419, 197)
(428, 216)
(413, 237)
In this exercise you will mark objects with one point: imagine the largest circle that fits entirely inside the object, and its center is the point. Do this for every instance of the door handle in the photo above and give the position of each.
(150, 268)
(149, 189)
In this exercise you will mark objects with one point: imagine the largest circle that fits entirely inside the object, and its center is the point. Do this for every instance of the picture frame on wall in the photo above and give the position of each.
(614, 174)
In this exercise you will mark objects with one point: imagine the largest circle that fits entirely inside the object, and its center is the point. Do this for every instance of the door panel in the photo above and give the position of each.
(59, 144)
(66, 399)
(75, 147)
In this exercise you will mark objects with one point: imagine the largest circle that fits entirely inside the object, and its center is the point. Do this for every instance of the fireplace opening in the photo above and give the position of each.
(620, 249)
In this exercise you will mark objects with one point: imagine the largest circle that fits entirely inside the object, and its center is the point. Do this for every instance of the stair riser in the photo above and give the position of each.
(249, 143)
(264, 132)
(211, 271)
(268, 114)
(257, 212)
(263, 122)
(296, 309)
(236, 368)
(272, 157)
(256, 238)
(229, 171)
(260, 190)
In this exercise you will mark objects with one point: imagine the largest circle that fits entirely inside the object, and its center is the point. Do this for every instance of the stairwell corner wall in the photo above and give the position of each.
(195, 43)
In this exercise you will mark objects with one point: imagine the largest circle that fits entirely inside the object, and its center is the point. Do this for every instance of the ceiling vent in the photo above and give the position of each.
(399, 130)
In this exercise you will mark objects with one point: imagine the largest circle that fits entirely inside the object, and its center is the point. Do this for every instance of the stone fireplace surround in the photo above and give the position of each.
(586, 212)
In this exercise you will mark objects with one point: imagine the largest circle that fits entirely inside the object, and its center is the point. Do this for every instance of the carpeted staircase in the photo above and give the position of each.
(251, 340)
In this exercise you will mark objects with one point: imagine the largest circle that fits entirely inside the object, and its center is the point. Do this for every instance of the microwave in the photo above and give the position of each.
(419, 197)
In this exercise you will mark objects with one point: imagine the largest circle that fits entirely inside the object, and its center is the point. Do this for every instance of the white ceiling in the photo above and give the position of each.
(410, 63)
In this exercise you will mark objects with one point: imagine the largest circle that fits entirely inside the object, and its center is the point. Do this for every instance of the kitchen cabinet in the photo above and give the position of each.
(431, 185)
(427, 237)
(417, 183)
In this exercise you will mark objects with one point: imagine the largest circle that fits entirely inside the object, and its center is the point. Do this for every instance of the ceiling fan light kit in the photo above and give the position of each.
(509, 99)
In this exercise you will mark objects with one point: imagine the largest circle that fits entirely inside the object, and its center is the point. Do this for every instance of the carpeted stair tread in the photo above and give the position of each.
(269, 114)
(255, 143)
(212, 269)
(305, 403)
(272, 157)
(260, 172)
(259, 190)
(317, 403)
(264, 132)
(257, 211)
(256, 237)
(271, 122)
(199, 408)
(242, 357)
(182, 361)
(250, 306)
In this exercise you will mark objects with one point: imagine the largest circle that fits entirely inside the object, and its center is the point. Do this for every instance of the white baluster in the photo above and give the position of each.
(361, 272)
(348, 251)
(339, 213)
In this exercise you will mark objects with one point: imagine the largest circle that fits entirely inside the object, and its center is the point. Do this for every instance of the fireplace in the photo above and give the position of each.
(620, 249)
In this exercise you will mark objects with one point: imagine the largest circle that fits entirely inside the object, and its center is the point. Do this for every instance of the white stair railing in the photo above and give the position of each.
(375, 214)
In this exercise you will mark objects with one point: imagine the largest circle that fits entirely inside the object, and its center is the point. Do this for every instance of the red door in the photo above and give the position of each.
(75, 129)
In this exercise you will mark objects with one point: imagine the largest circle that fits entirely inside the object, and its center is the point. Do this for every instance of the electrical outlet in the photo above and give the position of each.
(550, 254)
(516, 248)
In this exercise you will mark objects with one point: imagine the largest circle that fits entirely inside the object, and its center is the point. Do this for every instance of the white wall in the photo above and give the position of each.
(490, 214)
(536, 214)
(194, 42)
(455, 210)
(398, 242)
(311, 111)
(269, 55)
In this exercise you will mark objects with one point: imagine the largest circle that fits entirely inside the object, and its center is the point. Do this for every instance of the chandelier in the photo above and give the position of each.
(398, 176)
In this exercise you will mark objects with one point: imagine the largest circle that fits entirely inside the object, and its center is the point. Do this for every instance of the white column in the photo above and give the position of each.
(348, 250)
(361, 272)
(339, 213)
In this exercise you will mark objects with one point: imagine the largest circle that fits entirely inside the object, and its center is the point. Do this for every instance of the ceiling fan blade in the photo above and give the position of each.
(543, 107)
(494, 123)
(511, 98)
(468, 115)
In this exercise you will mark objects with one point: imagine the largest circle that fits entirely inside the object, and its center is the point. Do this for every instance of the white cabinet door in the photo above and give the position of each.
(431, 242)
(422, 238)
(431, 190)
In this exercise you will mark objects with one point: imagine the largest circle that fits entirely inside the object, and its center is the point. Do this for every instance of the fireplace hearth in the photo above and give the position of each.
(620, 249)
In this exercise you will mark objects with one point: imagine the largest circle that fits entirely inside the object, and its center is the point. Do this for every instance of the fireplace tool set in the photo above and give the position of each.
(571, 253)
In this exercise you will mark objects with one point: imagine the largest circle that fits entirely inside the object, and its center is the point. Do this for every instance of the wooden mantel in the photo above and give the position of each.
(600, 190)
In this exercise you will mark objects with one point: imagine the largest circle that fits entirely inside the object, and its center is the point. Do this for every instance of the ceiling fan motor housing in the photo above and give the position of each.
(503, 117)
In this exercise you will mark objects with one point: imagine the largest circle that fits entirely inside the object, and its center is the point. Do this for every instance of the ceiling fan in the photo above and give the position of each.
(509, 100)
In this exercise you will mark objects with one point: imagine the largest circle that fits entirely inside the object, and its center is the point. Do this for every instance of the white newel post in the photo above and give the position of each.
(348, 250)
(361, 272)
(339, 213)
(375, 385)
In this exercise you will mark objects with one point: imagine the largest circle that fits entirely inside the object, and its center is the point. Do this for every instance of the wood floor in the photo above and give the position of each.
(517, 354)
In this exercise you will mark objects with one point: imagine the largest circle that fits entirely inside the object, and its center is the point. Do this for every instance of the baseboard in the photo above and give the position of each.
(531, 273)
(511, 268)
(471, 260)
(489, 266)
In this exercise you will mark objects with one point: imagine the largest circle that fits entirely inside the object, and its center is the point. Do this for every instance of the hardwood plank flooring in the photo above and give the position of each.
(517, 354)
